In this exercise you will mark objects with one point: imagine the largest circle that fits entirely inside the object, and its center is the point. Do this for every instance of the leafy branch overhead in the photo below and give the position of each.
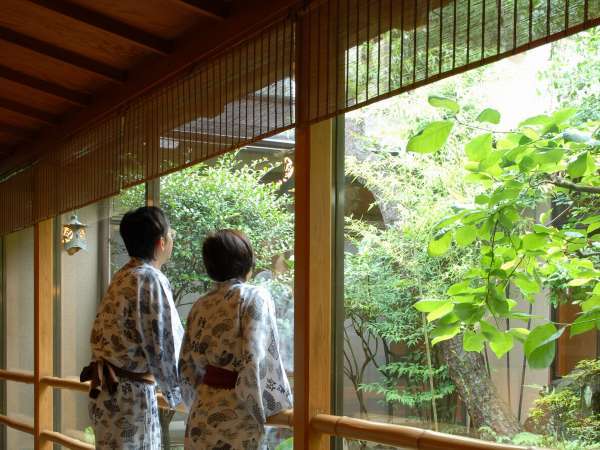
(535, 223)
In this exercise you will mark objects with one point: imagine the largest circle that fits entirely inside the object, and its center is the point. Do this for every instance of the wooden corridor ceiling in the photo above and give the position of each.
(65, 63)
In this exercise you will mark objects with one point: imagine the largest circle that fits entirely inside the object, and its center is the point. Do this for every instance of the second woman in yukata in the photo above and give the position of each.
(231, 371)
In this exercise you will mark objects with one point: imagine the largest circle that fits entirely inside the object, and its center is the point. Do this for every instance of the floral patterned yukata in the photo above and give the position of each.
(232, 327)
(138, 329)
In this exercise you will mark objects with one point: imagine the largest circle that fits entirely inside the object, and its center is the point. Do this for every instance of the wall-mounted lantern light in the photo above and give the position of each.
(74, 235)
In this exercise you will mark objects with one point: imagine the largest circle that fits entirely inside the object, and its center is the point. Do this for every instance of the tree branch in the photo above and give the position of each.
(560, 182)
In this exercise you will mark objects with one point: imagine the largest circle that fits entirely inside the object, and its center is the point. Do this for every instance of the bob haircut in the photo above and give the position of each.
(141, 229)
(228, 255)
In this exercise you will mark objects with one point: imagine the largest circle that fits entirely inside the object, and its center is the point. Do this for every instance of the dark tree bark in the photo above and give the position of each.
(475, 388)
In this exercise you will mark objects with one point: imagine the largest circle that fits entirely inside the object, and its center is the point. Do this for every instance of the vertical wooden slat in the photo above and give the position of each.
(301, 288)
(313, 276)
(43, 323)
(320, 276)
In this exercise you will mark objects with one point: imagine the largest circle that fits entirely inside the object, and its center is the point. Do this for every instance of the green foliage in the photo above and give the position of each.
(572, 77)
(89, 436)
(431, 138)
(388, 266)
(521, 172)
(288, 444)
(559, 415)
(228, 194)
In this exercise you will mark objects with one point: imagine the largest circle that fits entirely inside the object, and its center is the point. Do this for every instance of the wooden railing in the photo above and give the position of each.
(345, 427)
(19, 376)
(65, 441)
(17, 424)
(398, 435)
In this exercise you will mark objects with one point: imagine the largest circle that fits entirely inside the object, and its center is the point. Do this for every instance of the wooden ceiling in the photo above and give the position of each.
(65, 63)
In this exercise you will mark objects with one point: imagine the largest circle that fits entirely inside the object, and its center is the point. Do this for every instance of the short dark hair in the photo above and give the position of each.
(141, 229)
(227, 254)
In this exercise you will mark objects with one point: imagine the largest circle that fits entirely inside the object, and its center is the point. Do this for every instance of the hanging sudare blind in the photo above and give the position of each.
(233, 99)
(355, 52)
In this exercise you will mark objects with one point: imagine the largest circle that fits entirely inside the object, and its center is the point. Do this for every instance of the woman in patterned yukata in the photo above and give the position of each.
(231, 372)
(135, 340)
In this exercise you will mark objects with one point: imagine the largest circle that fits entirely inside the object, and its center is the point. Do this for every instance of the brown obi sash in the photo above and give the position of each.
(219, 378)
(104, 375)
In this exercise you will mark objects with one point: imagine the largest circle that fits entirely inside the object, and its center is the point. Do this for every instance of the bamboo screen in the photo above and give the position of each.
(233, 99)
(330, 57)
(358, 51)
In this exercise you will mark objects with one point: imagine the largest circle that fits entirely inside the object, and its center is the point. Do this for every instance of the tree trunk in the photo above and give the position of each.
(468, 372)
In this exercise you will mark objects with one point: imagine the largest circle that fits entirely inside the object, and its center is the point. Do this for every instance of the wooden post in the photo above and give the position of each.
(43, 324)
(313, 288)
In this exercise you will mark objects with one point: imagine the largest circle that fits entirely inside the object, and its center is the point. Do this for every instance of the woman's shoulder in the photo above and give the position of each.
(253, 291)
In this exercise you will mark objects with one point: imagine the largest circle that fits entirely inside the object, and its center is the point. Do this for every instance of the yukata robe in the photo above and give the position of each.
(232, 327)
(138, 329)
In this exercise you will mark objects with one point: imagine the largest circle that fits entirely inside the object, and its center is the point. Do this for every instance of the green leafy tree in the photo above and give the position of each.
(545, 159)
(225, 194)
(572, 75)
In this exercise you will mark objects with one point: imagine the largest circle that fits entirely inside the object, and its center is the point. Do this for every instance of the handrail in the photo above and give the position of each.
(283, 419)
(400, 435)
(66, 441)
(72, 384)
(20, 376)
(17, 424)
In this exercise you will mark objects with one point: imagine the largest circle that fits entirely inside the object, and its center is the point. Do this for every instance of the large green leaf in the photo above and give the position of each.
(586, 322)
(540, 346)
(534, 241)
(563, 115)
(580, 165)
(519, 333)
(502, 343)
(540, 120)
(431, 138)
(444, 102)
(488, 330)
(465, 235)
(527, 284)
(479, 147)
(489, 115)
(473, 342)
(444, 332)
(551, 156)
(443, 309)
(427, 306)
(438, 247)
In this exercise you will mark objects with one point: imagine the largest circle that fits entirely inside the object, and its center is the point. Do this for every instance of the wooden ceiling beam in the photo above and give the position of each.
(56, 90)
(61, 54)
(28, 111)
(15, 131)
(215, 9)
(107, 24)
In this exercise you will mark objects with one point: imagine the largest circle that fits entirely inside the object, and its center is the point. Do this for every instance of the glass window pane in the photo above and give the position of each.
(18, 276)
(18, 323)
(251, 190)
(394, 199)
(17, 440)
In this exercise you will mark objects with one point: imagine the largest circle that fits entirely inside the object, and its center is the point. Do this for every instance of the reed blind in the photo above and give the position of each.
(342, 54)
(355, 52)
(233, 99)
